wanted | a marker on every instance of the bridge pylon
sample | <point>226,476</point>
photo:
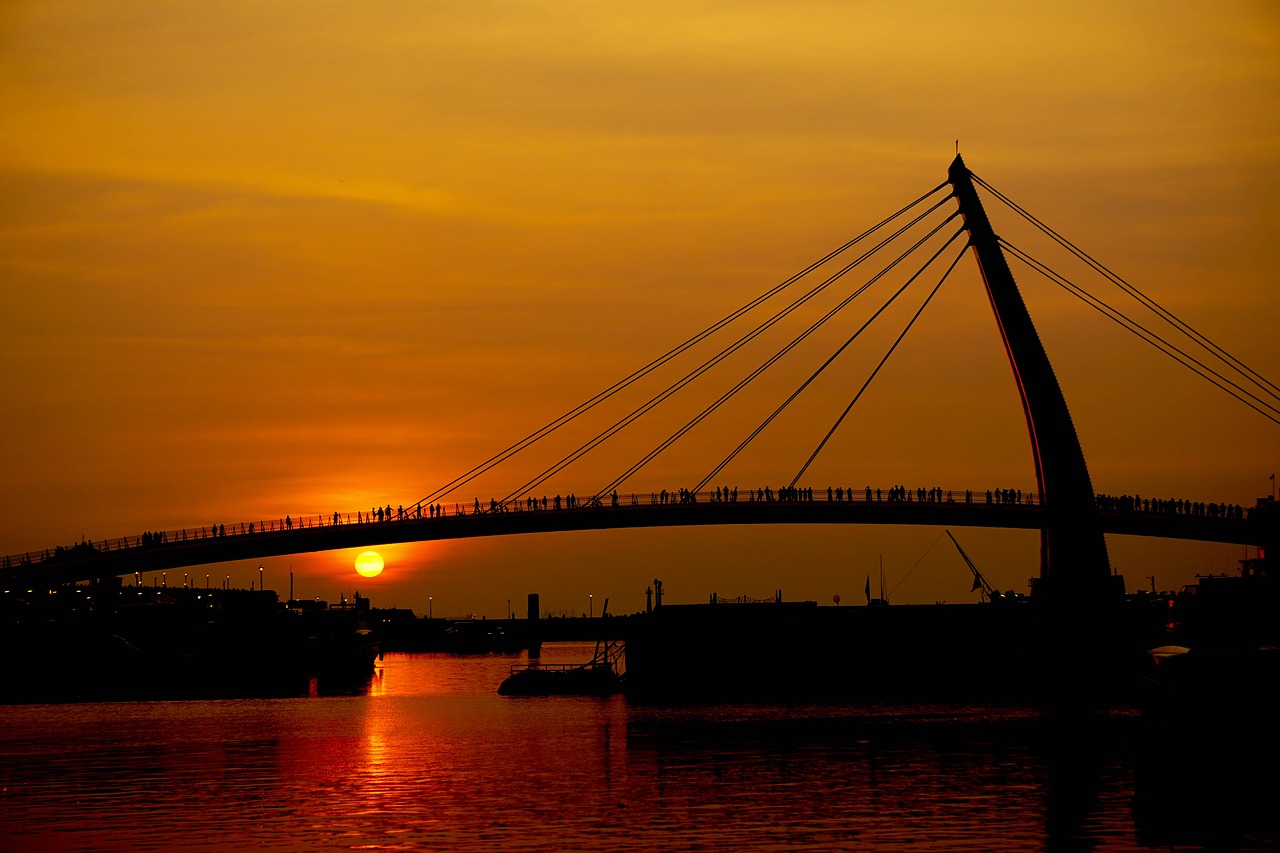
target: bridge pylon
<point>1073,551</point>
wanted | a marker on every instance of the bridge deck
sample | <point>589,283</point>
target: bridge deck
<point>195,548</point>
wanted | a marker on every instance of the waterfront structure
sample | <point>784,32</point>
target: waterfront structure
<point>1071,518</point>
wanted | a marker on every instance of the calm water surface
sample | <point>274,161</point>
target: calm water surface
<point>432,758</point>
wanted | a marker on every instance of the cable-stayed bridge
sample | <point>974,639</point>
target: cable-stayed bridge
<point>912,251</point>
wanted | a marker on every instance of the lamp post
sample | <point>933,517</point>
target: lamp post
<point>429,603</point>
<point>260,586</point>
<point>591,605</point>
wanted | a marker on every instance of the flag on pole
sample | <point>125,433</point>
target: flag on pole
<point>977,584</point>
<point>868,589</point>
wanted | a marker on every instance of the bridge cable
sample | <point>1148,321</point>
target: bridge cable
<point>1235,363</point>
<point>742,446</point>
<point>768,363</point>
<point>620,385</point>
<point>915,565</point>
<point>675,387</point>
<point>1139,330</point>
<point>858,396</point>
<point>1149,337</point>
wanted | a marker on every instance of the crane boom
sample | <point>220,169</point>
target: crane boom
<point>979,582</point>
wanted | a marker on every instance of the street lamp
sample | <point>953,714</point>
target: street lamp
<point>260,586</point>
<point>591,605</point>
<point>429,601</point>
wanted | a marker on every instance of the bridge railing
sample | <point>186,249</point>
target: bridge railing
<point>572,503</point>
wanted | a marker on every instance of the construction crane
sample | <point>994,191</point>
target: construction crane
<point>979,582</point>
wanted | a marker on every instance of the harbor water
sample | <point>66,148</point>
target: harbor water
<point>430,757</point>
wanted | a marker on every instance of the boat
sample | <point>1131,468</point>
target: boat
<point>480,637</point>
<point>340,649</point>
<point>587,679</point>
<point>600,676</point>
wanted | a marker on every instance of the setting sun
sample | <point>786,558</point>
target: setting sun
<point>369,564</point>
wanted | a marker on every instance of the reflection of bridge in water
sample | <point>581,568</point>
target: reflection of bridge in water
<point>1071,518</point>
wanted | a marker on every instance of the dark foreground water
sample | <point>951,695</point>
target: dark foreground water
<point>432,758</point>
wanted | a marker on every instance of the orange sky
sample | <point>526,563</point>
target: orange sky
<point>277,258</point>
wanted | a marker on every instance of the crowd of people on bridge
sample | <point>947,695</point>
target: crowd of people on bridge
<point>1166,506</point>
<point>764,494</point>
<point>1010,497</point>
<point>783,494</point>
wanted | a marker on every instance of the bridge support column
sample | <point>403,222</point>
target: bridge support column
<point>1073,552</point>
